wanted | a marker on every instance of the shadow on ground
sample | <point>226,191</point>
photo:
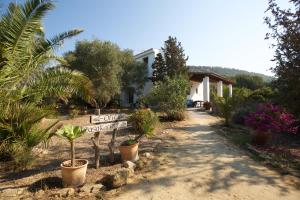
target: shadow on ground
<point>207,161</point>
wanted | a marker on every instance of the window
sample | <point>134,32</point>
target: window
<point>196,90</point>
<point>146,60</point>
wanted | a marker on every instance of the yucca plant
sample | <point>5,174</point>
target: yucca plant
<point>71,133</point>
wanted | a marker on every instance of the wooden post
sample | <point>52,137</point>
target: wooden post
<point>111,145</point>
<point>96,144</point>
<point>97,111</point>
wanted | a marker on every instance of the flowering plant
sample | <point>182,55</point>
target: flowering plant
<point>269,117</point>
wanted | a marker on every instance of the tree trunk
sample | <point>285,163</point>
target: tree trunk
<point>72,154</point>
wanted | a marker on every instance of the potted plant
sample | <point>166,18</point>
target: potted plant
<point>207,105</point>
<point>74,170</point>
<point>143,122</point>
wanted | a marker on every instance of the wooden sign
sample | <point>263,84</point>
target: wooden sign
<point>105,127</point>
<point>107,118</point>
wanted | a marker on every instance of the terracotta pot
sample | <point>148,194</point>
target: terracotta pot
<point>129,152</point>
<point>74,176</point>
<point>260,138</point>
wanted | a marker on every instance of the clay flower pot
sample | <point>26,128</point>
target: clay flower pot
<point>74,176</point>
<point>129,152</point>
<point>260,138</point>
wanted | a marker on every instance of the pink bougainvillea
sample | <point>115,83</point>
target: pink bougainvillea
<point>269,117</point>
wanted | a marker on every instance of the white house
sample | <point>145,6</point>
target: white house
<point>200,81</point>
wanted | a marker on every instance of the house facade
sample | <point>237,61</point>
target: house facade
<point>200,81</point>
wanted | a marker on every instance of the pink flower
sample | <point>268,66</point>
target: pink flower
<point>269,117</point>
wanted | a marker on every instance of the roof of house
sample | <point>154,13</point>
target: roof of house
<point>197,74</point>
<point>146,52</point>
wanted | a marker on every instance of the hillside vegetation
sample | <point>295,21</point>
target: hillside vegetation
<point>230,72</point>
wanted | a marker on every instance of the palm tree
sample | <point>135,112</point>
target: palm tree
<point>25,76</point>
<point>25,53</point>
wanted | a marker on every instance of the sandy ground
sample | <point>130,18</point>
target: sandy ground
<point>200,164</point>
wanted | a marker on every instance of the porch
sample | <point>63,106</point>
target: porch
<point>201,85</point>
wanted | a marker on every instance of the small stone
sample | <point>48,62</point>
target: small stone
<point>118,179</point>
<point>83,194</point>
<point>140,164</point>
<point>12,192</point>
<point>92,188</point>
<point>129,164</point>
<point>98,188</point>
<point>65,192</point>
<point>147,155</point>
<point>87,188</point>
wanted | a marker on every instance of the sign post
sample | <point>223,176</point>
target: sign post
<point>105,122</point>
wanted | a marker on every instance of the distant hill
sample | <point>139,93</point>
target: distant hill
<point>230,72</point>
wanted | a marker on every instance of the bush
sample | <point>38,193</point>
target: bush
<point>261,95</point>
<point>169,97</point>
<point>143,122</point>
<point>269,117</point>
<point>176,115</point>
<point>240,113</point>
<point>21,131</point>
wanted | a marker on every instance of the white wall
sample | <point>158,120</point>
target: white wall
<point>151,58</point>
<point>194,96</point>
<point>151,54</point>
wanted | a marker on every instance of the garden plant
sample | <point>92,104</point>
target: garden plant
<point>143,123</point>
<point>270,119</point>
<point>74,170</point>
<point>26,84</point>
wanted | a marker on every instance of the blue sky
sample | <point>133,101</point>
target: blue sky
<point>228,33</point>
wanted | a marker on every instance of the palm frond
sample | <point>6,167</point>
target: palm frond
<point>61,83</point>
<point>21,23</point>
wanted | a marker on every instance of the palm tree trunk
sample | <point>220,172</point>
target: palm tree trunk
<point>72,154</point>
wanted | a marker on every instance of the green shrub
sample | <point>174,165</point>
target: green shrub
<point>169,96</point>
<point>261,95</point>
<point>225,106</point>
<point>176,115</point>
<point>143,122</point>
<point>246,101</point>
<point>21,131</point>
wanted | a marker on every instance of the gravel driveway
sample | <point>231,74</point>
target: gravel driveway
<point>200,164</point>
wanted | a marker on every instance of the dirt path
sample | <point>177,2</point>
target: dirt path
<point>202,165</point>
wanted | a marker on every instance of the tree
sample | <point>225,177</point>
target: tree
<point>25,81</point>
<point>170,96</point>
<point>174,57</point>
<point>250,82</point>
<point>159,68</point>
<point>285,31</point>
<point>172,63</point>
<point>134,74</point>
<point>108,67</point>
<point>100,61</point>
